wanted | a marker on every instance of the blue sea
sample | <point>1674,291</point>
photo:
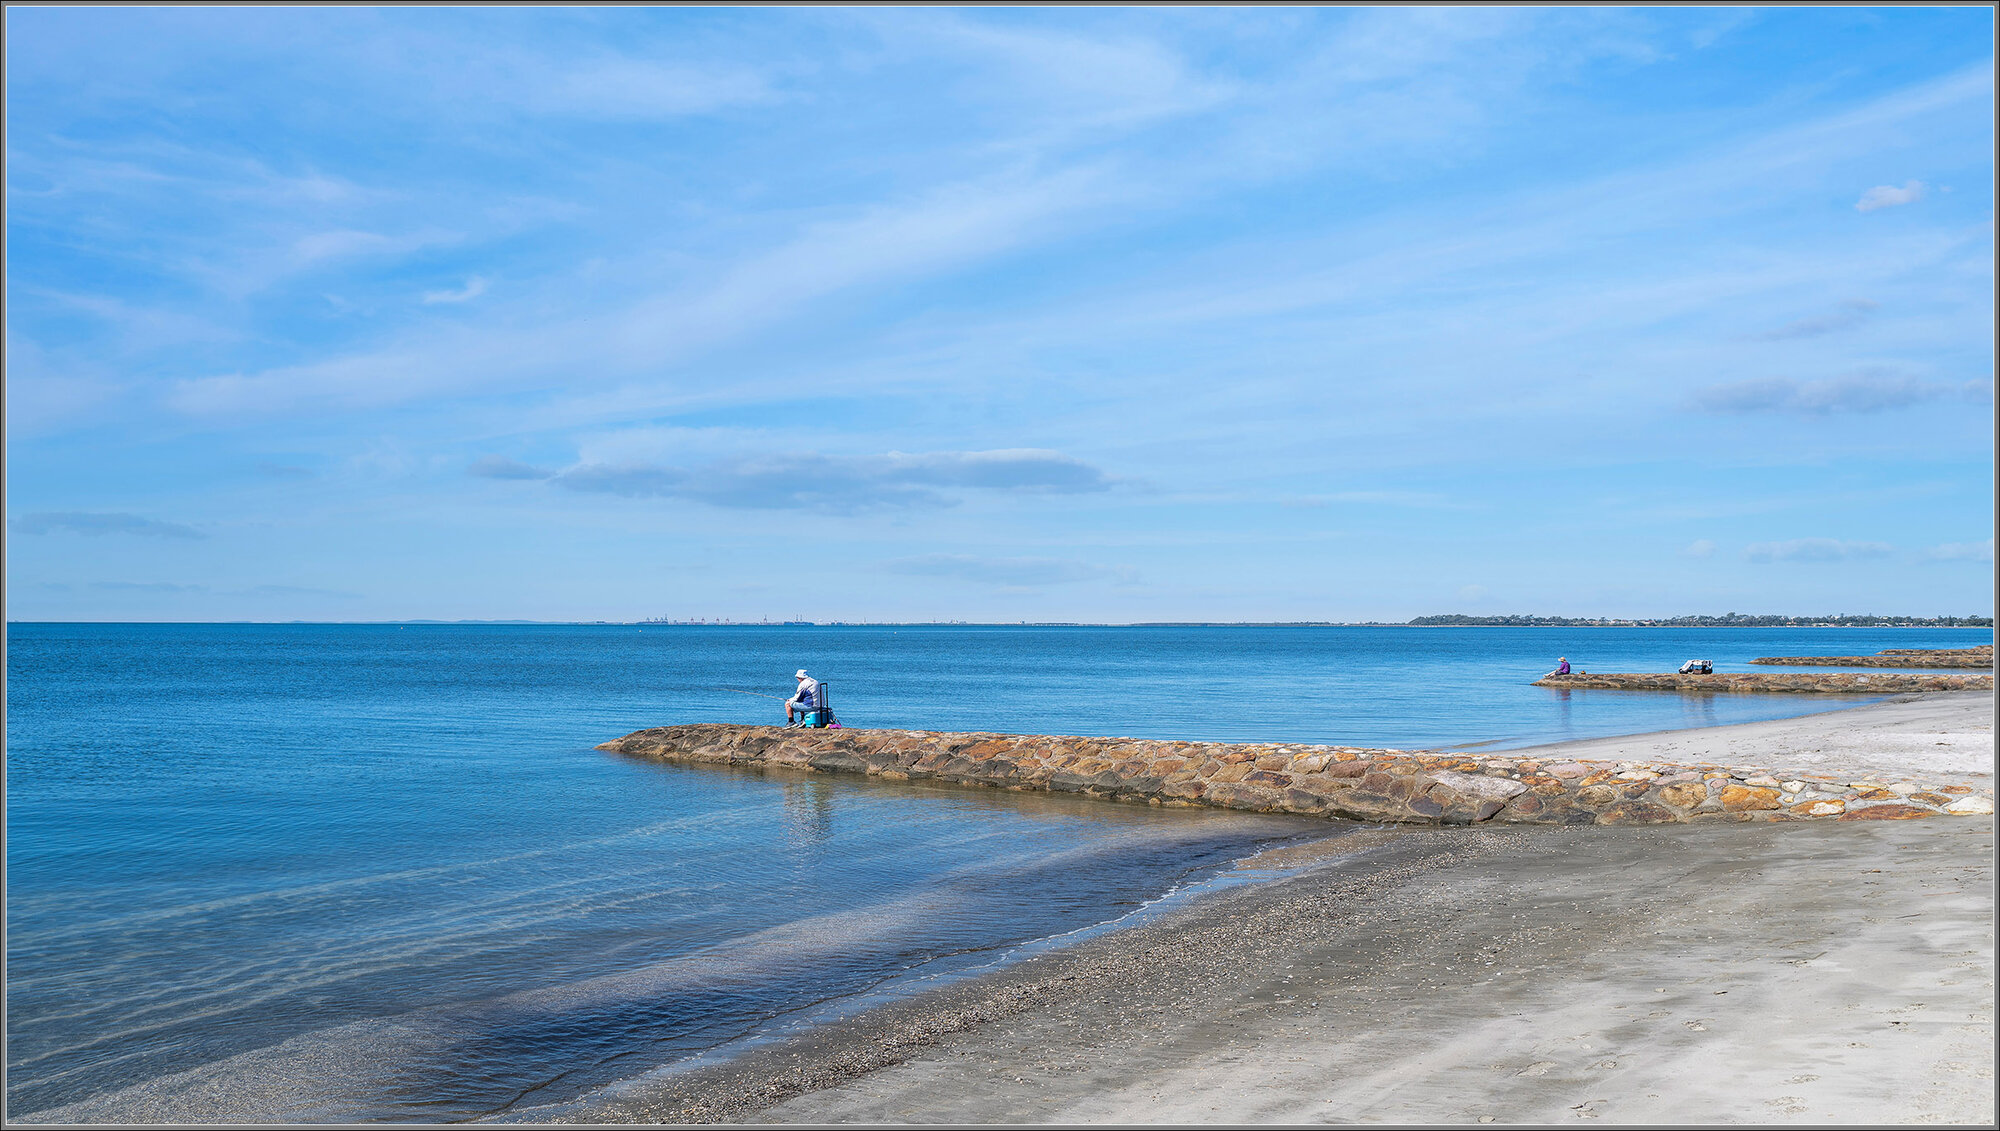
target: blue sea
<point>378,872</point>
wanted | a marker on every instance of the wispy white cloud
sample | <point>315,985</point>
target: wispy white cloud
<point>1427,499</point>
<point>1013,573</point>
<point>80,522</point>
<point>878,246</point>
<point>1847,315</point>
<point>621,86</point>
<point>842,484</point>
<point>297,591</point>
<point>1815,550</point>
<point>1859,393</point>
<point>45,394</point>
<point>500,467</point>
<point>1065,78</point>
<point>147,587</point>
<point>1889,196</point>
<point>1699,548</point>
<point>1961,552</point>
<point>473,288</point>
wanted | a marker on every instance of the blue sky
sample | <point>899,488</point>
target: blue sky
<point>998,314</point>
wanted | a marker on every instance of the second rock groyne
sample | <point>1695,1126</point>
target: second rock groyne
<point>1976,657</point>
<point>1823,683</point>
<point>1357,783</point>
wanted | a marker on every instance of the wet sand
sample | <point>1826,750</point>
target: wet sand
<point>1775,973</point>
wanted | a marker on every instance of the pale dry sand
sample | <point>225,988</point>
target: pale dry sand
<point>1818,973</point>
<point>1946,736</point>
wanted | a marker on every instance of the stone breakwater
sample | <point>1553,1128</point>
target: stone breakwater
<point>1837,683</point>
<point>1980,657</point>
<point>1362,784</point>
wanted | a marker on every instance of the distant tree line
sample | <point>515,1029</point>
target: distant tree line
<point>1726,620</point>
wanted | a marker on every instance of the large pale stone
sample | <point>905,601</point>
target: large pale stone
<point>1970,806</point>
<point>1478,785</point>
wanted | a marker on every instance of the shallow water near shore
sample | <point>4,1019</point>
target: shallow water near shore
<point>378,872</point>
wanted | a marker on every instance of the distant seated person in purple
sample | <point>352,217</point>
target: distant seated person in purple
<point>1562,666</point>
<point>805,701</point>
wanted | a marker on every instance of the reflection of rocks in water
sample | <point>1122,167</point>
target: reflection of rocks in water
<point>808,813</point>
<point>1698,711</point>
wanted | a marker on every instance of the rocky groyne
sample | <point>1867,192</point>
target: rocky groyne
<point>1980,657</point>
<point>1356,783</point>
<point>1825,683</point>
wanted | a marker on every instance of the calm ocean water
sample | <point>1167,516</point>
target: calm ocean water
<point>378,872</point>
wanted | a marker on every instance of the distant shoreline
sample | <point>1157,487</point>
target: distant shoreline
<point>1548,622</point>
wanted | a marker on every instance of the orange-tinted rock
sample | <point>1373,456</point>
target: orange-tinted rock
<point>1887,812</point>
<point>1824,807</point>
<point>1597,795</point>
<point>1685,794</point>
<point>1740,798</point>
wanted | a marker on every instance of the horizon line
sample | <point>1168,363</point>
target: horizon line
<point>1488,622</point>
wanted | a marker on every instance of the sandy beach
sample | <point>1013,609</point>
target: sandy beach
<point>1948,736</point>
<point>1773,973</point>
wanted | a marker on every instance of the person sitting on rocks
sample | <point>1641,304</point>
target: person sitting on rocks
<point>803,702</point>
<point>1562,667</point>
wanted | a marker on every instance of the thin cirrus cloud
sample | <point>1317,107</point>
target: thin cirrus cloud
<point>79,522</point>
<point>146,587</point>
<point>1861,392</point>
<point>1815,550</point>
<point>1848,314</point>
<point>500,467</point>
<point>1009,573</point>
<point>1889,196</point>
<point>1961,552</point>
<point>276,591</point>
<point>832,484</point>
<point>473,288</point>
